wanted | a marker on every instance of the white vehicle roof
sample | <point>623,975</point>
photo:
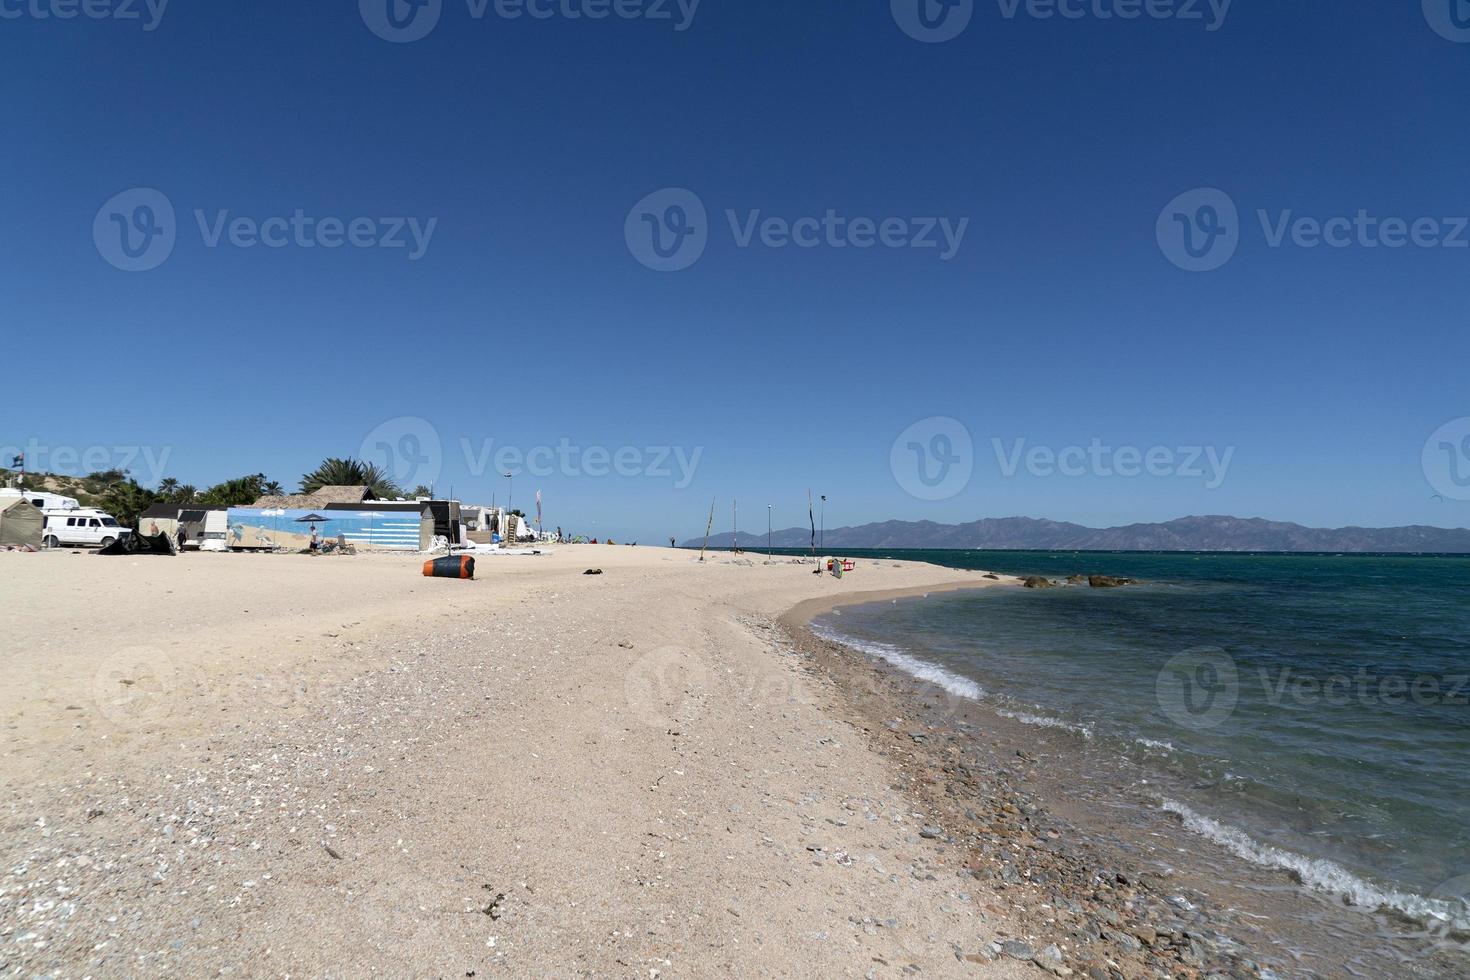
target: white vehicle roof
<point>53,501</point>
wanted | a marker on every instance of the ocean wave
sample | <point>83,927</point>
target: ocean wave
<point>1322,875</point>
<point>909,664</point>
<point>1045,721</point>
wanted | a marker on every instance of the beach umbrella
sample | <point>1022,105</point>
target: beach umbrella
<point>312,519</point>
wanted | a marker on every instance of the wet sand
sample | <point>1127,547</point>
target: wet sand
<point>1069,830</point>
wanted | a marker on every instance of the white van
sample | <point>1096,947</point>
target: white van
<point>83,526</point>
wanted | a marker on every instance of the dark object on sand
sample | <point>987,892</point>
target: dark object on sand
<point>593,571</point>
<point>462,567</point>
<point>140,544</point>
<point>991,575</point>
<point>1108,582</point>
<point>1037,582</point>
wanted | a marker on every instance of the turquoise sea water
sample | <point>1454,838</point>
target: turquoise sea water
<point>1308,711</point>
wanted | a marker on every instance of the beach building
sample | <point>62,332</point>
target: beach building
<point>349,514</point>
<point>169,518</point>
<point>495,525</point>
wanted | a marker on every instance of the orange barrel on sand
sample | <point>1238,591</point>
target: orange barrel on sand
<point>461,567</point>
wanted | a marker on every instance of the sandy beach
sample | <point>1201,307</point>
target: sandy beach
<point>273,765</point>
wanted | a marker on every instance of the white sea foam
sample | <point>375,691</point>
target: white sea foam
<point>1045,721</point>
<point>1149,743</point>
<point>922,669</point>
<point>1320,874</point>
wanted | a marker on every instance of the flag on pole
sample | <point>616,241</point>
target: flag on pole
<point>538,511</point>
<point>811,516</point>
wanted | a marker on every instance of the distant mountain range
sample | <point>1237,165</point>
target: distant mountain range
<point>1184,534</point>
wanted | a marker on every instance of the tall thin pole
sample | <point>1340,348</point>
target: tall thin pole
<point>824,522</point>
<point>811,519</point>
<point>735,526</point>
<point>768,530</point>
<point>708,527</point>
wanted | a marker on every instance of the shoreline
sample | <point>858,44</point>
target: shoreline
<point>876,689</point>
<point>800,615</point>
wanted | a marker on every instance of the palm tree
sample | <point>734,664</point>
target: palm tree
<point>239,492</point>
<point>185,494</point>
<point>272,488</point>
<point>351,473</point>
<point>126,501</point>
<point>167,487</point>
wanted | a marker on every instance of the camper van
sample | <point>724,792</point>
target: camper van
<point>44,502</point>
<point>82,526</point>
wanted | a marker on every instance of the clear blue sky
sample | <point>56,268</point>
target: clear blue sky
<point>1060,319</point>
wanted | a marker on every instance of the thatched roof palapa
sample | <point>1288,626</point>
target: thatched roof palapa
<point>317,500</point>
